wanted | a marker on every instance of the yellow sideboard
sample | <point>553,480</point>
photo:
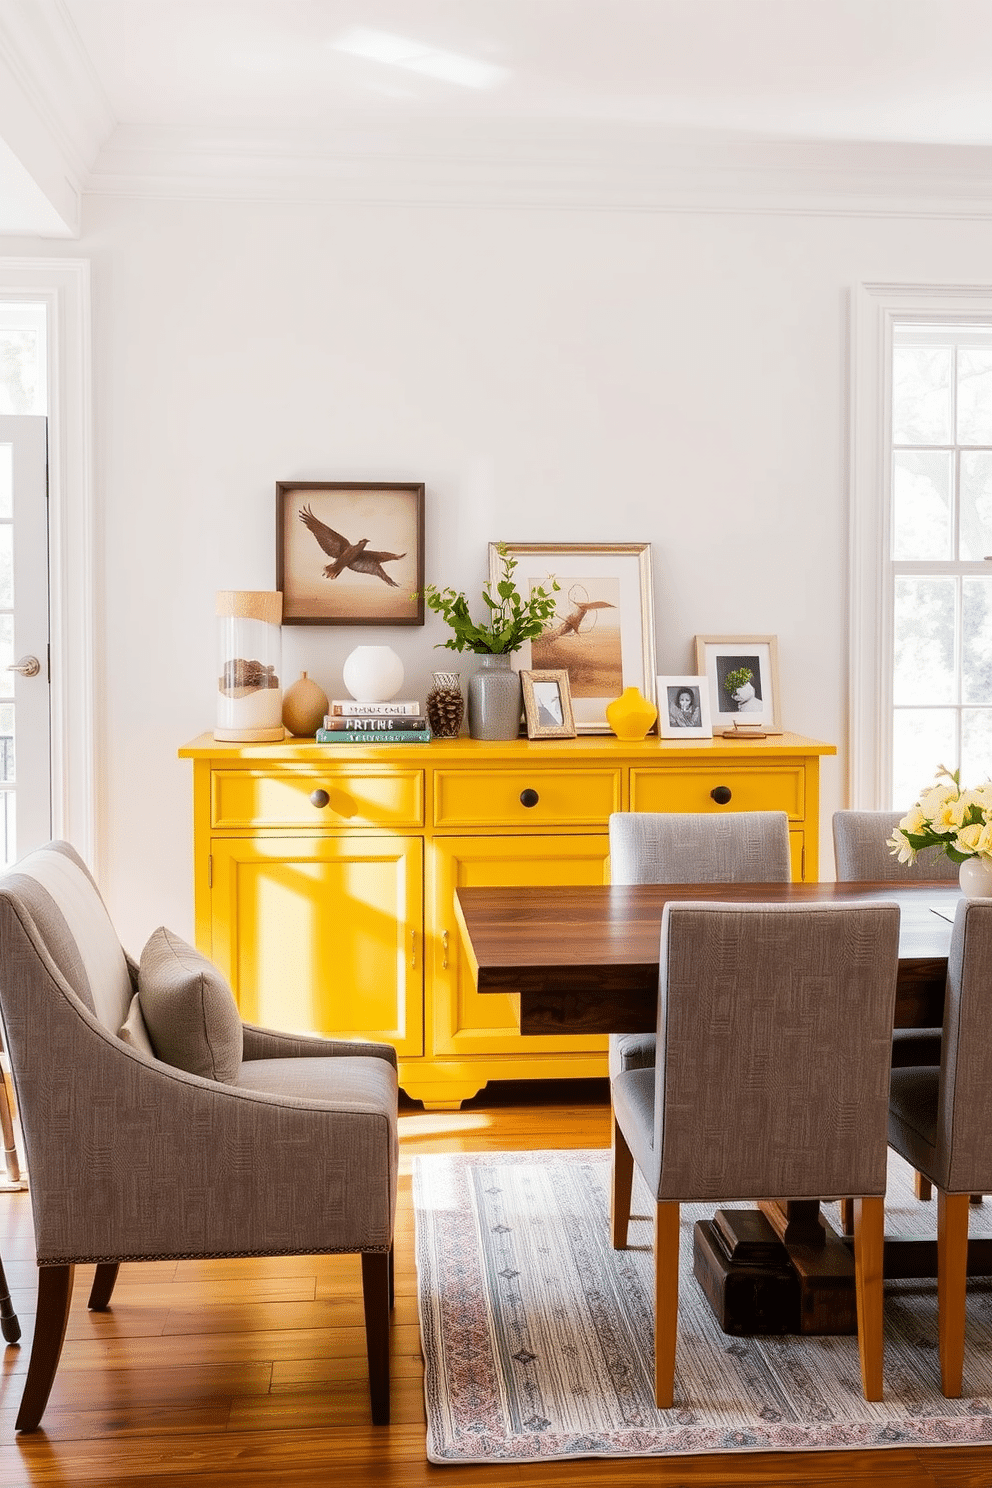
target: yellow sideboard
<point>325,874</point>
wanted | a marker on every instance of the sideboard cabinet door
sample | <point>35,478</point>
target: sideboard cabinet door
<point>323,934</point>
<point>461,1020</point>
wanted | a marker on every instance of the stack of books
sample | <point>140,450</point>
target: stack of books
<point>398,722</point>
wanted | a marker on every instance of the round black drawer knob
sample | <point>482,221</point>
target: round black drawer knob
<point>721,794</point>
<point>319,798</point>
<point>529,797</point>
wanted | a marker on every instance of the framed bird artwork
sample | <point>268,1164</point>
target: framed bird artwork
<point>350,553</point>
<point>602,632</point>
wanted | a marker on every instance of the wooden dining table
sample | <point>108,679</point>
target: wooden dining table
<point>585,959</point>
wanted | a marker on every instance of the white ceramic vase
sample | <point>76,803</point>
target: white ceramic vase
<point>975,878</point>
<point>373,674</point>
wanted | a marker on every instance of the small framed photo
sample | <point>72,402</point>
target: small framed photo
<point>742,675</point>
<point>350,552</point>
<point>684,708</point>
<point>547,705</point>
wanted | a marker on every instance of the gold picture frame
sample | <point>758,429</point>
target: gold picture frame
<point>603,631</point>
<point>547,704</point>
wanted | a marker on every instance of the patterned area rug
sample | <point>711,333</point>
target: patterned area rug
<point>538,1337</point>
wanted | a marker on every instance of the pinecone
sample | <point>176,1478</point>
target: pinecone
<point>445,710</point>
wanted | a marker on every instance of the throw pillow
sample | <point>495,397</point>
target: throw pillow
<point>189,1009</point>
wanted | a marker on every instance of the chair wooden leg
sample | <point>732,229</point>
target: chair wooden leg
<point>847,1216</point>
<point>103,1286</point>
<point>922,1187</point>
<point>7,1132</point>
<point>54,1296</point>
<point>621,1187</point>
<point>392,1276</point>
<point>869,1246</point>
<point>9,1326</point>
<point>952,1275</point>
<point>375,1292</point>
<point>666,1301</point>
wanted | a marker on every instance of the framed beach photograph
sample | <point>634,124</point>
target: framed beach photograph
<point>350,552</point>
<point>684,708</point>
<point>602,633</point>
<point>742,674</point>
<point>547,705</point>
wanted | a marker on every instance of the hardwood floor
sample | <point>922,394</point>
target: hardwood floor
<point>246,1374</point>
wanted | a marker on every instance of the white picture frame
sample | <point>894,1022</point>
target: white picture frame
<point>745,704</point>
<point>678,719</point>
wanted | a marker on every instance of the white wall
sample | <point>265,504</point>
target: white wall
<point>551,376</point>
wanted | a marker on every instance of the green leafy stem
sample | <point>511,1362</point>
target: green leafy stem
<point>511,619</point>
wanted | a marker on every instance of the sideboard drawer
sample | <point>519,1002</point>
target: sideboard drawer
<point>379,796</point>
<point>525,797</point>
<point>690,789</point>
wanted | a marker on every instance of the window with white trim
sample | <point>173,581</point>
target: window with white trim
<point>940,558</point>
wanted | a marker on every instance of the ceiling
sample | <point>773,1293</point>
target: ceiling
<point>519,97</point>
<point>895,70</point>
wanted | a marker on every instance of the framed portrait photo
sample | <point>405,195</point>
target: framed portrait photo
<point>684,708</point>
<point>742,674</point>
<point>602,632</point>
<point>350,552</point>
<point>547,705</point>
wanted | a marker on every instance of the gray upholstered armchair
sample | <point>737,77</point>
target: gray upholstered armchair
<point>265,1144</point>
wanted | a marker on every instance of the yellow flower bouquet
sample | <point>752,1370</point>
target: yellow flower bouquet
<point>958,822</point>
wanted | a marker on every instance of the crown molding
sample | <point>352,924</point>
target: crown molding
<point>41,49</point>
<point>534,166</point>
<point>54,115</point>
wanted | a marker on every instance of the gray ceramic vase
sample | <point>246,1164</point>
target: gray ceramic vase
<point>494,700</point>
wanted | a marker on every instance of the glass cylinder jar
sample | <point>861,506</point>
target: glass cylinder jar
<point>249,689</point>
<point>445,705</point>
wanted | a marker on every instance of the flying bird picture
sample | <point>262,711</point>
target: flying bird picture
<point>350,554</point>
<point>572,624</point>
<point>584,638</point>
<point>357,556</point>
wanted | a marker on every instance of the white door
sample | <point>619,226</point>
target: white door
<point>25,716</point>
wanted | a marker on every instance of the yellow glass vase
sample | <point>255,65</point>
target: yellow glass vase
<point>631,715</point>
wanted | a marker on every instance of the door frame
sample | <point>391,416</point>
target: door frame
<point>63,284</point>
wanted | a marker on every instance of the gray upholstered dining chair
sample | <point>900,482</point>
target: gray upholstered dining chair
<point>157,1125</point>
<point>861,856</point>
<point>771,1082</point>
<point>691,847</point>
<point>939,1121</point>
